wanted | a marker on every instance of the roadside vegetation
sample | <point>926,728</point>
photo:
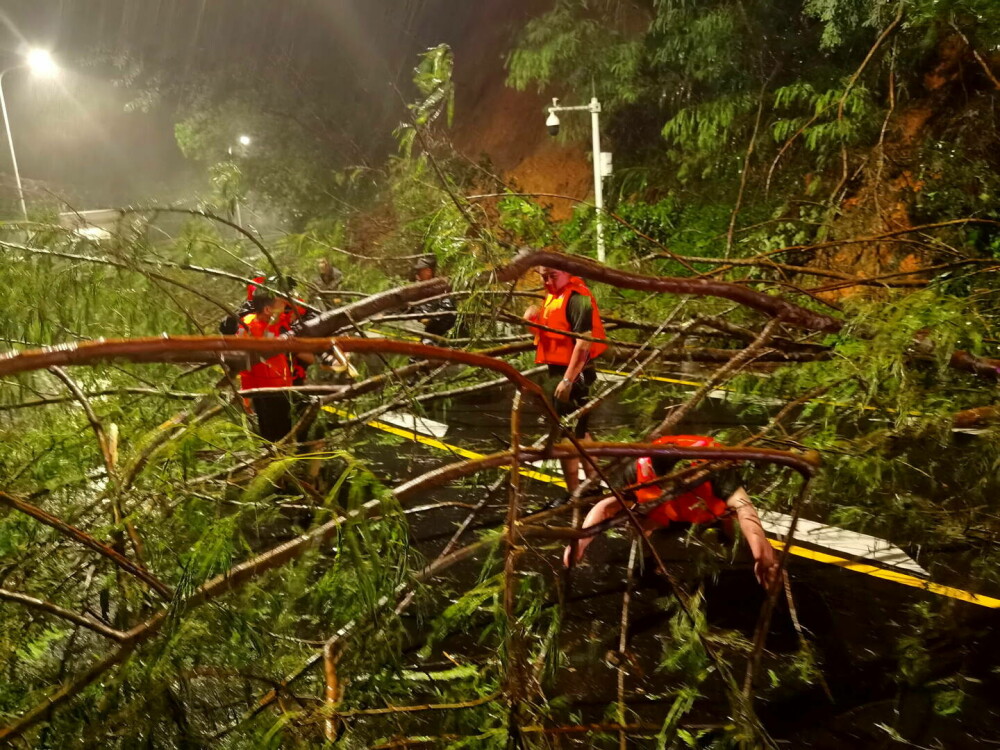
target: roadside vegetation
<point>828,169</point>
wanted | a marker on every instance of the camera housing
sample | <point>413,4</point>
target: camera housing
<point>552,123</point>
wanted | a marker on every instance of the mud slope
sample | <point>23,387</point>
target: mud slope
<point>506,126</point>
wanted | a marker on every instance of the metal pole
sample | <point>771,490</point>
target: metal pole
<point>236,200</point>
<point>10,142</point>
<point>595,121</point>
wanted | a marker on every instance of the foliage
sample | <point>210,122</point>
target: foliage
<point>431,657</point>
<point>432,78</point>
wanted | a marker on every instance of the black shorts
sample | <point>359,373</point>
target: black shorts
<point>274,415</point>
<point>579,395</point>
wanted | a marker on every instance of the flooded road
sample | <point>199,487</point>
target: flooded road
<point>885,657</point>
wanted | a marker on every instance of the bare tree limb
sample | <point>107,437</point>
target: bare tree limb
<point>88,541</point>
<point>791,313</point>
<point>54,609</point>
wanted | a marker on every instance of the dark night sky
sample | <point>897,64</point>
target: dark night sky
<point>75,134</point>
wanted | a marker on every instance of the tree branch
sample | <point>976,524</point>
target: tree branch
<point>791,313</point>
<point>88,541</point>
<point>54,609</point>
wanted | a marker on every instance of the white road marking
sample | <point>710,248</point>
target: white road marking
<point>850,544</point>
<point>410,422</point>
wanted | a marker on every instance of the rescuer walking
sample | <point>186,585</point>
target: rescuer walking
<point>569,307</point>
<point>717,499</point>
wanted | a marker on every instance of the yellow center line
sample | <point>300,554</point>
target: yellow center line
<point>658,378</point>
<point>891,575</point>
<point>675,381</point>
<point>696,384</point>
<point>394,335</point>
<point>416,437</point>
<point>821,557</point>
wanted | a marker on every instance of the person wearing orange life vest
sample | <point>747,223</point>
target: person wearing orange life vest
<point>294,311</point>
<point>230,325</point>
<point>292,314</point>
<point>273,410</point>
<point>717,499</point>
<point>569,306</point>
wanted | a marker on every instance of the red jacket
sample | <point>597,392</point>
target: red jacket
<point>283,324</point>
<point>555,348</point>
<point>698,505</point>
<point>273,372</point>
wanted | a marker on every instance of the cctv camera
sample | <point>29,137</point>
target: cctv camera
<point>552,123</point>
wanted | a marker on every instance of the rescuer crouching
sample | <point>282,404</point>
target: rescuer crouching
<point>717,499</point>
<point>569,307</point>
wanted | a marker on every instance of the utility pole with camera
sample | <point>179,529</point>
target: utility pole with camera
<point>602,159</point>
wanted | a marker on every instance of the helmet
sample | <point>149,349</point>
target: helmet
<point>687,441</point>
<point>663,464</point>
<point>424,261</point>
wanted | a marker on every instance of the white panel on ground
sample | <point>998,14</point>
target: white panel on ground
<point>726,395</point>
<point>553,467</point>
<point>414,424</point>
<point>848,544</point>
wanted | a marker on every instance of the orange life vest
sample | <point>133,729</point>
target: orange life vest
<point>697,505</point>
<point>273,372</point>
<point>293,312</point>
<point>555,348</point>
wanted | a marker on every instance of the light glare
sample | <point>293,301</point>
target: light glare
<point>245,140</point>
<point>41,63</point>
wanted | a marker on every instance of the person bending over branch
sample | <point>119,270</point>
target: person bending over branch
<point>717,499</point>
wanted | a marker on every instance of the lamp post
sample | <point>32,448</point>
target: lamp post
<point>244,141</point>
<point>602,160</point>
<point>40,62</point>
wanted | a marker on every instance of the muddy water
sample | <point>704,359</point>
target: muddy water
<point>855,623</point>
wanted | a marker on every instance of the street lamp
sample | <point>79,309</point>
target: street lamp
<point>602,160</point>
<point>245,140</point>
<point>40,62</point>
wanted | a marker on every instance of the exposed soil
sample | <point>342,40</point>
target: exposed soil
<point>507,126</point>
<point>888,185</point>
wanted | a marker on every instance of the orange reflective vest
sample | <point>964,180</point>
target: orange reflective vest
<point>273,372</point>
<point>698,505</point>
<point>293,312</point>
<point>555,348</point>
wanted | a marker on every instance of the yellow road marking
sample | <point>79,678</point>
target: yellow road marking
<point>675,381</point>
<point>891,575</point>
<point>822,557</point>
<point>658,378</point>
<point>696,384</point>
<point>416,437</point>
<point>394,335</point>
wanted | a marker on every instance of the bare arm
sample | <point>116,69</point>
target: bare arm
<point>607,508</point>
<point>578,359</point>
<point>765,563</point>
